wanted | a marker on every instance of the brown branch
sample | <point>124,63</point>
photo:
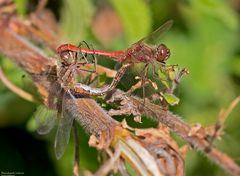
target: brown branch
<point>225,113</point>
<point>197,140</point>
<point>40,7</point>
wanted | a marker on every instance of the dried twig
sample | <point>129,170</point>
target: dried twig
<point>215,131</point>
<point>40,7</point>
<point>197,140</point>
<point>225,113</point>
<point>21,93</point>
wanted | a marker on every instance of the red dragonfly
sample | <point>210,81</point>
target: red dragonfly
<point>145,50</point>
<point>70,59</point>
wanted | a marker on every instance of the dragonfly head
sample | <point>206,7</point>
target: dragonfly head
<point>67,57</point>
<point>162,53</point>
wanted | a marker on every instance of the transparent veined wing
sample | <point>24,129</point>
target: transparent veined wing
<point>45,119</point>
<point>65,119</point>
<point>154,37</point>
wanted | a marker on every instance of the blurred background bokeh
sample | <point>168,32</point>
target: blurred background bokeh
<point>205,38</point>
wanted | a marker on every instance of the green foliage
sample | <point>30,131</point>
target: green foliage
<point>101,79</point>
<point>235,65</point>
<point>76,19</point>
<point>171,99</point>
<point>135,16</point>
<point>206,50</point>
<point>21,6</point>
<point>164,79</point>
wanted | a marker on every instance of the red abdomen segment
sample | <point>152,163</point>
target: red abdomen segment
<point>118,55</point>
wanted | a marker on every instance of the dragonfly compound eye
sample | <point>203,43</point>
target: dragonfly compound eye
<point>163,53</point>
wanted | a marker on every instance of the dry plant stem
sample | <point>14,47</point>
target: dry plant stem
<point>76,150</point>
<point>141,155</point>
<point>109,164</point>
<point>164,149</point>
<point>21,93</point>
<point>40,7</point>
<point>176,124</point>
<point>146,164</point>
<point>149,152</point>
<point>224,114</point>
<point>219,126</point>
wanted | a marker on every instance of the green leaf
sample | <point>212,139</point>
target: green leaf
<point>102,79</point>
<point>135,16</point>
<point>163,78</point>
<point>31,124</point>
<point>172,73</point>
<point>76,17</point>
<point>21,6</point>
<point>171,99</point>
<point>219,10</point>
<point>130,169</point>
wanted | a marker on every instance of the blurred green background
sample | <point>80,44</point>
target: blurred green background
<point>205,38</point>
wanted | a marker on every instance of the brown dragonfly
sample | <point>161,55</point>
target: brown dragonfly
<point>63,102</point>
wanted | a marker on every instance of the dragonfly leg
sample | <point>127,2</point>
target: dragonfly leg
<point>143,86</point>
<point>80,45</point>
<point>154,72</point>
<point>85,55</point>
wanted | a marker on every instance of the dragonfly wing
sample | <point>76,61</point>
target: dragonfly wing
<point>64,127</point>
<point>45,119</point>
<point>154,37</point>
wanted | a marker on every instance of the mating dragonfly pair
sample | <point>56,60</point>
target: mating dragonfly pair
<point>66,90</point>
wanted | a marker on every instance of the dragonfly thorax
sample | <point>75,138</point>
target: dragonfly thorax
<point>162,53</point>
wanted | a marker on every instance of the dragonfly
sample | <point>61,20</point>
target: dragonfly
<point>147,50</point>
<point>65,106</point>
<point>59,104</point>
